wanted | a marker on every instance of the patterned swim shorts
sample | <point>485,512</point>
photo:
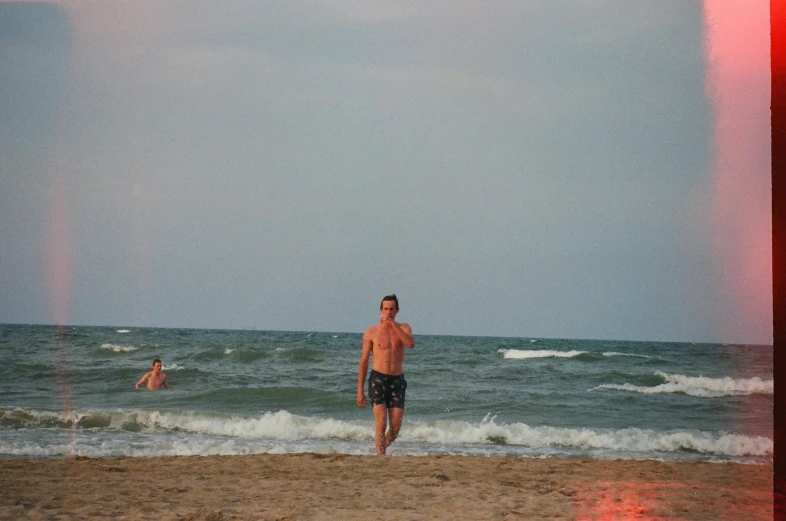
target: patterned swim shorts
<point>386,388</point>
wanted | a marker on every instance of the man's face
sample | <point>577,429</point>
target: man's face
<point>389,309</point>
<point>157,367</point>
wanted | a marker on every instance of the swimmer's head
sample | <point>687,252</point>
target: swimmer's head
<point>156,361</point>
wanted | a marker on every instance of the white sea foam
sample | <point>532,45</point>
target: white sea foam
<point>277,425</point>
<point>123,331</point>
<point>172,367</point>
<point>636,440</point>
<point>522,353</point>
<point>157,447</point>
<point>228,350</point>
<point>119,349</point>
<point>699,386</point>
<point>614,353</point>
<point>204,433</point>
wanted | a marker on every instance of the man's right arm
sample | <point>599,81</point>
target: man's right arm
<point>142,380</point>
<point>363,369</point>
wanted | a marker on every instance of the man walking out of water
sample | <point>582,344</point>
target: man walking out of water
<point>385,342</point>
<point>155,378</point>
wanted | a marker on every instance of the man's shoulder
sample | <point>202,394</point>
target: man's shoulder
<point>371,330</point>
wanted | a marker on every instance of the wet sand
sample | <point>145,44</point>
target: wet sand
<point>320,487</point>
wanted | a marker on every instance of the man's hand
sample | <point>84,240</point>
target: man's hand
<point>386,321</point>
<point>361,399</point>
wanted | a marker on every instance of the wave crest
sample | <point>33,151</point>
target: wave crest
<point>699,386</point>
<point>527,353</point>
<point>615,353</point>
<point>119,349</point>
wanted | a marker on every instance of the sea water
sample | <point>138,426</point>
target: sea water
<point>69,391</point>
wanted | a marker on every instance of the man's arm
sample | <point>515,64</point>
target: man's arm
<point>141,381</point>
<point>363,368</point>
<point>166,386</point>
<point>404,332</point>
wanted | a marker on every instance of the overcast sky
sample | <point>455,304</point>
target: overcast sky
<point>508,168</point>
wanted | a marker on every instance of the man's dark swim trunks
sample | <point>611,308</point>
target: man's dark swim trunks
<point>386,388</point>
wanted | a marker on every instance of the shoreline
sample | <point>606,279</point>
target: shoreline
<point>337,486</point>
<point>583,457</point>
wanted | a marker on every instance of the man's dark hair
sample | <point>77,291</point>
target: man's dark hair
<point>389,297</point>
<point>157,361</point>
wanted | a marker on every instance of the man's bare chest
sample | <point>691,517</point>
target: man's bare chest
<point>385,340</point>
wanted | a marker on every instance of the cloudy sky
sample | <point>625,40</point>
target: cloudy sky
<point>584,169</point>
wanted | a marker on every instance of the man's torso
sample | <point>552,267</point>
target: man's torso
<point>387,350</point>
<point>155,381</point>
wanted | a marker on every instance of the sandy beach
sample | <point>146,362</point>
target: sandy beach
<point>317,486</point>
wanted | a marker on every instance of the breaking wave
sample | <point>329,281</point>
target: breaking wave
<point>184,432</point>
<point>699,386</point>
<point>522,353</point>
<point>119,349</point>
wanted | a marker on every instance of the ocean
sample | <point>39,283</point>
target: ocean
<point>69,391</point>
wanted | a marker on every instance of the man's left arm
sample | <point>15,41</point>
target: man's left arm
<point>404,332</point>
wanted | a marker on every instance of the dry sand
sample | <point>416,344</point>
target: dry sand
<point>316,487</point>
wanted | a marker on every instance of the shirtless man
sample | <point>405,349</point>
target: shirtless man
<point>155,378</point>
<point>385,342</point>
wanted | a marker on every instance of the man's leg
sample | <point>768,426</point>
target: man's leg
<point>380,424</point>
<point>396,415</point>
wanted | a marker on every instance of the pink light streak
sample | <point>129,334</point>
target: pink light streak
<point>738,85</point>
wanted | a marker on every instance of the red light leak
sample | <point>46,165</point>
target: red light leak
<point>738,84</point>
<point>662,501</point>
<point>60,275</point>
